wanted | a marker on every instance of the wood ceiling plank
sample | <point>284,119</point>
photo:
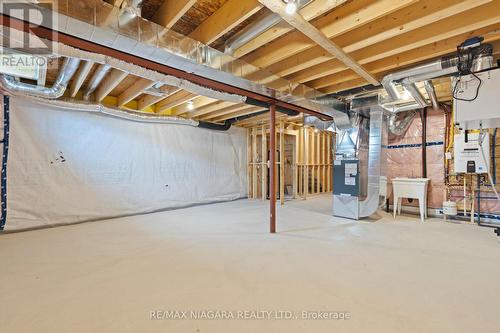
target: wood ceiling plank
<point>81,75</point>
<point>407,19</point>
<point>171,11</point>
<point>210,108</point>
<point>173,100</point>
<point>232,13</point>
<point>309,12</point>
<point>135,90</point>
<point>244,112</point>
<point>330,25</point>
<point>226,110</point>
<point>148,100</point>
<point>196,104</point>
<point>299,23</point>
<point>424,53</point>
<point>109,83</point>
<point>469,21</point>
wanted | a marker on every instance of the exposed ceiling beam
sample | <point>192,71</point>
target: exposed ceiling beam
<point>210,108</point>
<point>309,12</point>
<point>196,103</point>
<point>109,83</point>
<point>226,110</point>
<point>469,21</point>
<point>262,119</point>
<point>244,112</point>
<point>171,11</point>
<point>412,57</point>
<point>196,78</point>
<point>173,100</point>
<point>81,75</point>
<point>135,90</point>
<point>232,13</point>
<point>349,17</point>
<point>407,19</point>
<point>116,3</point>
<point>148,100</point>
<point>299,23</point>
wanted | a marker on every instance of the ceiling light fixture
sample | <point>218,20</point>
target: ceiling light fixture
<point>291,7</point>
<point>190,105</point>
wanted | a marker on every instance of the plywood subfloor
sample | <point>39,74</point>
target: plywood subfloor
<point>392,276</point>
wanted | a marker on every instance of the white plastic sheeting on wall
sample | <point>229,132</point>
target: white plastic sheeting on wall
<point>69,166</point>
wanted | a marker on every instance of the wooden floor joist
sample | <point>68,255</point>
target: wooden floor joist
<point>338,45</point>
<point>299,23</point>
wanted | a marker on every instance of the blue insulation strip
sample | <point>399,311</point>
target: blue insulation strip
<point>5,153</point>
<point>416,145</point>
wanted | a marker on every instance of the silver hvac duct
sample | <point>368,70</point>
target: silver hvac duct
<point>356,191</point>
<point>317,123</point>
<point>69,67</point>
<point>399,126</point>
<point>117,113</point>
<point>338,111</point>
<point>256,28</point>
<point>431,92</point>
<point>131,10</point>
<point>411,87</point>
<point>481,57</point>
<point>376,162</point>
<point>439,67</point>
<point>98,76</point>
<point>251,31</point>
<point>151,42</point>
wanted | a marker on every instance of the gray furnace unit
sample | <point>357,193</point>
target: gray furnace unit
<point>346,188</point>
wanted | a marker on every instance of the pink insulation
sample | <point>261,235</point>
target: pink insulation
<point>404,156</point>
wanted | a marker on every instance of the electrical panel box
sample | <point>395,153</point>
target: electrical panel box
<point>468,155</point>
<point>477,100</point>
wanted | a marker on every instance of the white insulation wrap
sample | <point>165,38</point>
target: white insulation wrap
<point>68,166</point>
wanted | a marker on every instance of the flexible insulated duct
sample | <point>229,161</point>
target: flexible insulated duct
<point>439,67</point>
<point>431,92</point>
<point>69,67</point>
<point>97,78</point>
<point>399,126</point>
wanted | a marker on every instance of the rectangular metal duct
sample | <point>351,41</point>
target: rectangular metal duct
<point>101,23</point>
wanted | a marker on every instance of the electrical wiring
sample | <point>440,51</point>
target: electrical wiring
<point>477,89</point>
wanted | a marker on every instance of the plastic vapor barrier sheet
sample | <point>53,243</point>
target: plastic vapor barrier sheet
<point>67,166</point>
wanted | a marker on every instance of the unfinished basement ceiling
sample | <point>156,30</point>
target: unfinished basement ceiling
<point>382,36</point>
<point>199,12</point>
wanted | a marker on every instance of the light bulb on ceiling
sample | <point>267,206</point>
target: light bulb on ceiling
<point>291,7</point>
<point>190,105</point>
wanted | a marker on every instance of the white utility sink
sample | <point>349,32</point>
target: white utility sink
<point>412,188</point>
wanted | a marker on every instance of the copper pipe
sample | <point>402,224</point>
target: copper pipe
<point>272,169</point>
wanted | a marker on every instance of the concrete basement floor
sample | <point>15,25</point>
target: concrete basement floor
<point>391,276</point>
